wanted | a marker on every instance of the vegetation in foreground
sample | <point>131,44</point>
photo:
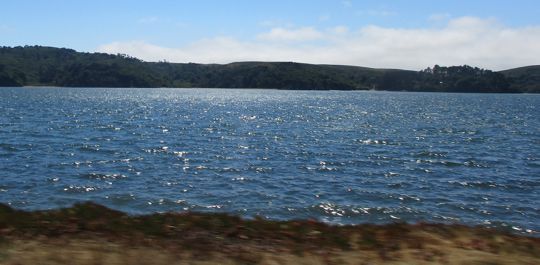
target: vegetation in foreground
<point>48,66</point>
<point>92,234</point>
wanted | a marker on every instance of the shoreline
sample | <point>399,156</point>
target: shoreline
<point>281,89</point>
<point>67,67</point>
<point>209,238</point>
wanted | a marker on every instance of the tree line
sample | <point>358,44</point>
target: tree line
<point>49,66</point>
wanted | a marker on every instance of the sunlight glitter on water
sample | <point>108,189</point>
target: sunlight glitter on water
<point>340,157</point>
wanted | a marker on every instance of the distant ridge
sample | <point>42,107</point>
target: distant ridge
<point>49,66</point>
<point>525,79</point>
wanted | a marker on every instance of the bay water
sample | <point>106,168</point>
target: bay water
<point>342,157</point>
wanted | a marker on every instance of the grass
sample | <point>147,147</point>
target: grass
<point>213,237</point>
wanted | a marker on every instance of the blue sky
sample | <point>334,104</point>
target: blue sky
<point>406,34</point>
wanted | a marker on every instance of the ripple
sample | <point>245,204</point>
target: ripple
<point>431,154</point>
<point>80,189</point>
<point>445,163</point>
<point>121,199</point>
<point>477,184</point>
<point>100,176</point>
<point>8,147</point>
<point>473,163</point>
<point>241,179</point>
<point>339,157</point>
<point>90,148</point>
<point>331,209</point>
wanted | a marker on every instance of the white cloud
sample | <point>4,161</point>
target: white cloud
<point>339,30</point>
<point>466,40</point>
<point>283,34</point>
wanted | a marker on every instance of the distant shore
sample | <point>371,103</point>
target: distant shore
<point>92,234</point>
<point>277,89</point>
<point>50,66</point>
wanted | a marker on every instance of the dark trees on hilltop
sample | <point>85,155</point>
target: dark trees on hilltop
<point>47,66</point>
<point>461,79</point>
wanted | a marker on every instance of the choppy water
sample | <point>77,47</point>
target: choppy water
<point>340,157</point>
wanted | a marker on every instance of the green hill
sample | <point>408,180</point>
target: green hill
<point>48,66</point>
<point>526,79</point>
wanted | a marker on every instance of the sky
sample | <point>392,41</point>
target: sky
<point>406,34</point>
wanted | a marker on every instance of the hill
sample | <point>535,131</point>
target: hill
<point>49,66</point>
<point>526,79</point>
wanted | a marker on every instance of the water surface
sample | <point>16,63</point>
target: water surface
<point>336,156</point>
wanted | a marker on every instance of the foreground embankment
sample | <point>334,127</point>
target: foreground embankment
<point>93,234</point>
